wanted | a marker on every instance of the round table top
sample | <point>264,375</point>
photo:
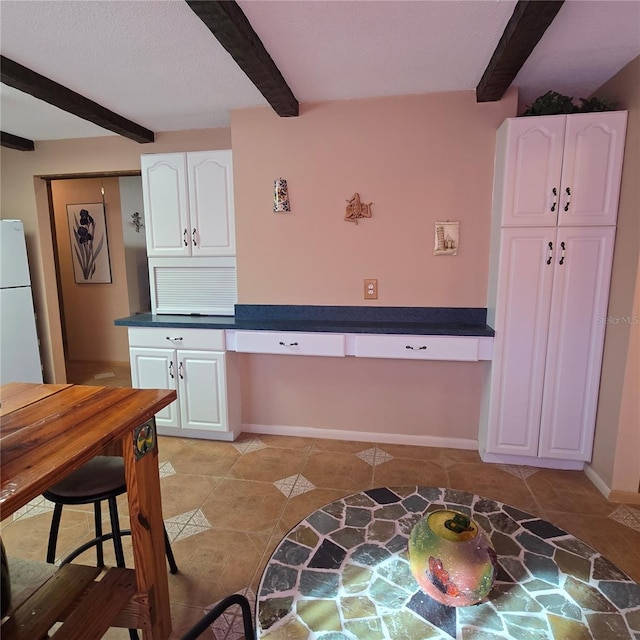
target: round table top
<point>343,574</point>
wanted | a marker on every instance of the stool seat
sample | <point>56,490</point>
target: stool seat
<point>98,479</point>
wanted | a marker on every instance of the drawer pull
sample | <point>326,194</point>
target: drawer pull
<point>180,372</point>
<point>184,237</point>
<point>288,344</point>
<point>173,339</point>
<point>415,348</point>
<point>171,370</point>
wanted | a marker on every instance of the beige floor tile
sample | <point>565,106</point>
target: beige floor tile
<point>569,491</point>
<point>403,471</point>
<point>284,442</point>
<point>336,470</point>
<point>171,447</point>
<point>492,482</point>
<point>185,492</point>
<point>342,446</point>
<point>269,464</point>
<point>205,458</point>
<point>244,505</point>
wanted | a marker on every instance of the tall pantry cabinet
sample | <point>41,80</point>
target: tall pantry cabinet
<point>555,204</point>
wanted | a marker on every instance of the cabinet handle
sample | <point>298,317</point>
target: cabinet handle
<point>555,199</point>
<point>180,372</point>
<point>184,237</point>
<point>561,261</point>
<point>288,344</point>
<point>173,339</point>
<point>415,348</point>
<point>171,370</point>
<point>550,255</point>
<point>193,235</point>
<point>568,200</point>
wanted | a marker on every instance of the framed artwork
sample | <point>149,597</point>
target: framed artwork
<point>89,245</point>
<point>447,238</point>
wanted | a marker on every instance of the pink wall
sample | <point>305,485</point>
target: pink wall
<point>419,159</point>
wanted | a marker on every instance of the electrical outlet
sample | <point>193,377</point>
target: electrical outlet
<point>371,289</point>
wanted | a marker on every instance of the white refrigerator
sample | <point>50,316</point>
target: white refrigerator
<point>19,352</point>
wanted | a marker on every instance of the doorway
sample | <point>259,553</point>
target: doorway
<point>96,351</point>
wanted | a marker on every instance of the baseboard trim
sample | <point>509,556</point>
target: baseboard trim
<point>362,436</point>
<point>612,495</point>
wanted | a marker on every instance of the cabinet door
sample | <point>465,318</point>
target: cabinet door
<point>202,390</point>
<point>166,213</point>
<point>575,343</point>
<point>592,168</point>
<point>531,172</point>
<point>156,369</point>
<point>211,204</point>
<point>522,318</point>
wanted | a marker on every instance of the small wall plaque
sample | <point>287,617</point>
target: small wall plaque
<point>447,238</point>
<point>357,209</point>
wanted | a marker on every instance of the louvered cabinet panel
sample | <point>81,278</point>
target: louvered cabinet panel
<point>204,286</point>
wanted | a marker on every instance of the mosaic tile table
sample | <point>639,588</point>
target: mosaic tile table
<point>343,574</point>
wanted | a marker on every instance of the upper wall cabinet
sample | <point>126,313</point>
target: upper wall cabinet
<point>188,200</point>
<point>560,170</point>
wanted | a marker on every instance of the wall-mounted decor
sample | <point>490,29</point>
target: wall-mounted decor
<point>447,238</point>
<point>281,196</point>
<point>136,220</point>
<point>357,209</point>
<point>89,246</point>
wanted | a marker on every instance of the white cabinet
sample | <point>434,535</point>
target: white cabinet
<point>189,206</point>
<point>549,290</point>
<point>561,170</point>
<point>194,362</point>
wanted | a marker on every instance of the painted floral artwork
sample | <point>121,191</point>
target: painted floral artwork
<point>89,248</point>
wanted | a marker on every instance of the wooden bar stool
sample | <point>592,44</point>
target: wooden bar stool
<point>102,478</point>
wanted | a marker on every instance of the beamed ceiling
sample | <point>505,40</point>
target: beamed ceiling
<point>134,68</point>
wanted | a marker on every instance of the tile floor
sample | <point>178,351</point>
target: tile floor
<point>227,505</point>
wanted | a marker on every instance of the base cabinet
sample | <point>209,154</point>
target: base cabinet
<point>208,404</point>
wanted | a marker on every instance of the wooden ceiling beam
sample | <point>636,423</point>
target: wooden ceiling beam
<point>230,26</point>
<point>529,21</point>
<point>19,77</point>
<point>10,141</point>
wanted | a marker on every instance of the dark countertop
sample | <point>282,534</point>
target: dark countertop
<point>450,321</point>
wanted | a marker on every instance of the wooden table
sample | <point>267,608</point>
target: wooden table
<point>48,431</point>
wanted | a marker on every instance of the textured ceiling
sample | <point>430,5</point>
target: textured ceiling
<point>155,63</point>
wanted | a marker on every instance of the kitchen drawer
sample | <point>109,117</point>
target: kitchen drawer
<point>417,347</point>
<point>291,343</point>
<point>210,339</point>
